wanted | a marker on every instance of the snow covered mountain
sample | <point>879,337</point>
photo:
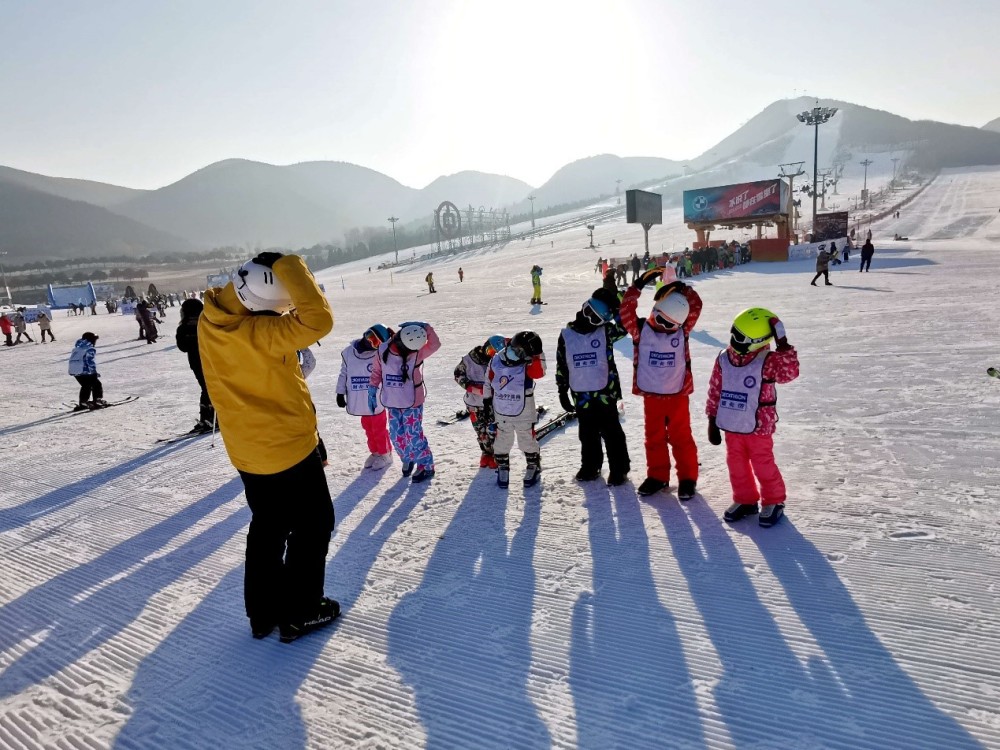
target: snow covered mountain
<point>993,125</point>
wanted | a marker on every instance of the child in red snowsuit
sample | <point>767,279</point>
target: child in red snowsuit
<point>662,376</point>
<point>742,402</point>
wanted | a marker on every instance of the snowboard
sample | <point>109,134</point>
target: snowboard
<point>560,420</point>
<point>126,400</point>
<point>538,303</point>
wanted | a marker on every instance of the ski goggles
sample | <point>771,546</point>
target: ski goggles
<point>596,312</point>
<point>740,339</point>
<point>664,322</point>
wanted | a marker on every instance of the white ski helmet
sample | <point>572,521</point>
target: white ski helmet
<point>671,311</point>
<point>259,289</point>
<point>413,336</point>
<point>307,361</point>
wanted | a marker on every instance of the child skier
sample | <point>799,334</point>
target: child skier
<point>83,367</point>
<point>662,376</point>
<point>398,371</point>
<point>510,390</point>
<point>742,403</point>
<point>470,374</point>
<point>248,337</point>
<point>585,365</point>
<point>536,285</point>
<point>357,362</point>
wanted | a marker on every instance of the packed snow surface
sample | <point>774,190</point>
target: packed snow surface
<point>563,616</point>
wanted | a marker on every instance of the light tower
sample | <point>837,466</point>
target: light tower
<point>815,117</point>
<point>392,220</point>
<point>618,195</point>
<point>894,160</point>
<point>864,190</point>
<point>532,199</point>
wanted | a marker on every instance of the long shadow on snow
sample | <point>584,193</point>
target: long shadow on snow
<point>208,684</point>
<point>461,640</point>
<point>631,684</point>
<point>84,607</point>
<point>884,707</point>
<point>11,518</point>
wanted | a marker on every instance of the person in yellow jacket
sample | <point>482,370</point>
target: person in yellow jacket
<point>248,336</point>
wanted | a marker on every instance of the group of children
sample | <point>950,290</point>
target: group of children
<point>381,375</point>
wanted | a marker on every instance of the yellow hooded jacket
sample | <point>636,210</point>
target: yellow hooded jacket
<point>266,415</point>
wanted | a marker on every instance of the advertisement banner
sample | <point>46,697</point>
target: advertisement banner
<point>732,202</point>
<point>830,226</point>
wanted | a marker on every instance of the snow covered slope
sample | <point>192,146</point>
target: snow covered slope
<point>563,616</point>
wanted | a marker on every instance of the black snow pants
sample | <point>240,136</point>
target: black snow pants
<point>287,542</point>
<point>89,384</point>
<point>597,421</point>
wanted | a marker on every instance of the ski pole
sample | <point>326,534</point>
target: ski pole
<point>213,429</point>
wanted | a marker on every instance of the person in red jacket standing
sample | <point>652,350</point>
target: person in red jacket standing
<point>662,376</point>
<point>742,402</point>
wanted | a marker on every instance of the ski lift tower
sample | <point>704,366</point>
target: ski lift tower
<point>791,171</point>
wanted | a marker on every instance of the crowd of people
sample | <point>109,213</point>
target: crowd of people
<point>686,264</point>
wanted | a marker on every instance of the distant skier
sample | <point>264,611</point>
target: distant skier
<point>248,340</point>
<point>867,253</point>
<point>21,326</point>
<point>636,266</point>
<point>510,390</point>
<point>429,278</point>
<point>398,372</point>
<point>357,360</point>
<point>45,326</point>
<point>536,285</point>
<point>461,275</point>
<point>83,367</point>
<point>822,266</point>
<point>149,321</point>
<point>662,376</point>
<point>585,367</point>
<point>187,342</point>
<point>6,328</point>
<point>742,402</point>
<point>470,374</point>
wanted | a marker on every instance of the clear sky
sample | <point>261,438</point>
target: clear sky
<point>143,92</point>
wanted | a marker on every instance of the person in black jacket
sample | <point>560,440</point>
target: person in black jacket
<point>187,342</point>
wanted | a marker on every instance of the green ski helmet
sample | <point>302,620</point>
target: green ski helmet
<point>751,330</point>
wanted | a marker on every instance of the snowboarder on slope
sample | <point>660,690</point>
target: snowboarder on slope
<point>83,367</point>
<point>585,366</point>
<point>510,390</point>
<point>662,376</point>
<point>470,374</point>
<point>398,371</point>
<point>742,402</point>
<point>357,363</point>
<point>248,336</point>
<point>536,285</point>
<point>187,342</point>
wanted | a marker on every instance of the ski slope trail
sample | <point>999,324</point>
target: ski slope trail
<point>565,615</point>
<point>961,204</point>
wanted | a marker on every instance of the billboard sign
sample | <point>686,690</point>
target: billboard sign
<point>746,200</point>
<point>642,207</point>
<point>831,226</point>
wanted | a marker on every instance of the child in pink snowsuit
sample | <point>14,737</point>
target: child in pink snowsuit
<point>357,362</point>
<point>742,402</point>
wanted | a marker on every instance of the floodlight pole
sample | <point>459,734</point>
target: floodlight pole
<point>816,117</point>
<point>894,160</point>
<point>618,195</point>
<point>864,191</point>
<point>392,220</point>
<point>532,199</point>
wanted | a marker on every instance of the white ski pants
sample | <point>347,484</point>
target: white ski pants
<point>510,427</point>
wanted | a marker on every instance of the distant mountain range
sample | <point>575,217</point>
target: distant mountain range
<point>240,202</point>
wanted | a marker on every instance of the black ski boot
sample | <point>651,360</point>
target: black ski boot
<point>686,489</point>
<point>651,486</point>
<point>736,511</point>
<point>533,472</point>
<point>587,475</point>
<point>503,470</point>
<point>617,478</point>
<point>771,514</point>
<point>327,612</point>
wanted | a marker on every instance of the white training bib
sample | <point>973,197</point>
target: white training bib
<point>397,392</point>
<point>476,375</point>
<point>662,364</point>
<point>358,369</point>
<point>587,360</point>
<point>508,384</point>
<point>740,397</point>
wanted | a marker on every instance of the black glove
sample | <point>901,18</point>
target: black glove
<point>267,259</point>
<point>341,401</point>
<point>648,276</point>
<point>566,402</point>
<point>714,436</point>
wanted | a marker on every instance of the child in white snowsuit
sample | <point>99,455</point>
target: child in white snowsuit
<point>510,390</point>
<point>357,362</point>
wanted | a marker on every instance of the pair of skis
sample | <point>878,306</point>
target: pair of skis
<point>464,414</point>
<point>196,432</point>
<point>108,405</point>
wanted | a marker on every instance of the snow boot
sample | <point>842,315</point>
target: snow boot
<point>617,478</point>
<point>686,489</point>
<point>651,486</point>
<point>587,475</point>
<point>771,514</point>
<point>380,461</point>
<point>736,511</point>
<point>370,460</point>
<point>503,471</point>
<point>407,468</point>
<point>262,627</point>
<point>422,475</point>
<point>533,472</point>
<point>327,612</point>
